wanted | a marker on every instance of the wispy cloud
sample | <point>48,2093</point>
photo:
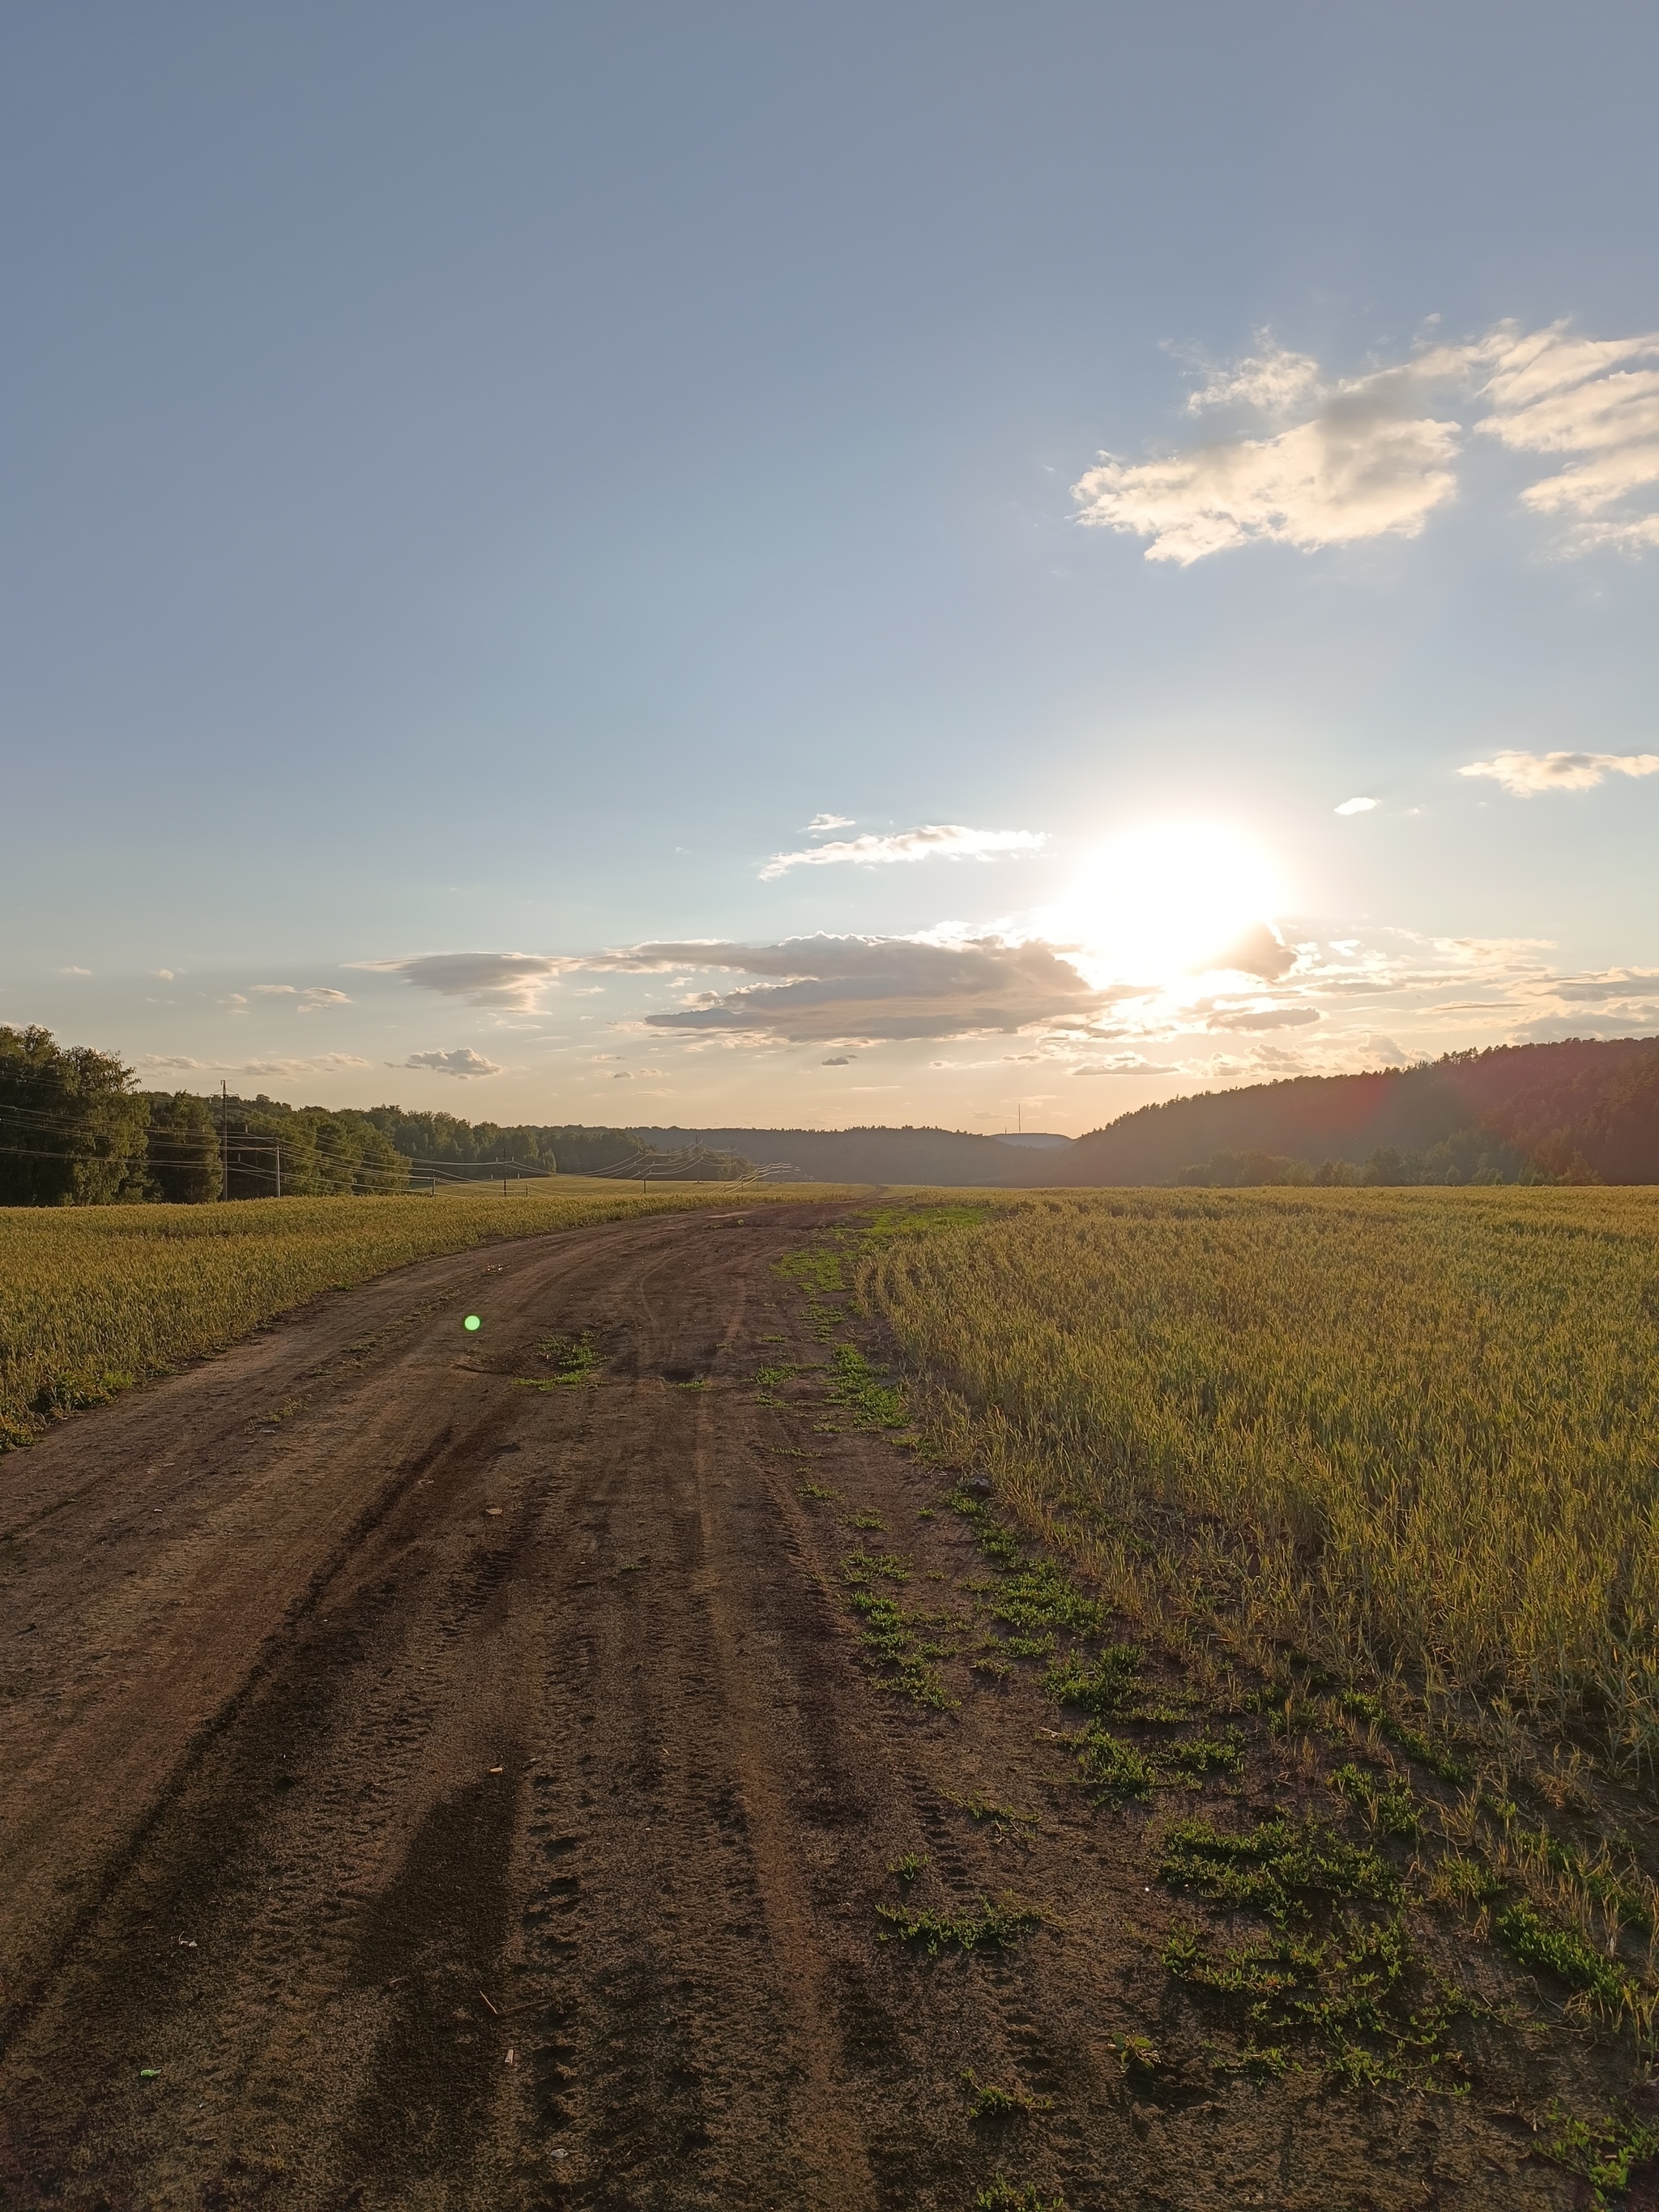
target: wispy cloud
<point>460,1059</point>
<point>1527,774</point>
<point>1554,392</point>
<point>1356,806</point>
<point>508,980</point>
<point>324,1063</point>
<point>821,824</point>
<point>1317,461</point>
<point>934,840</point>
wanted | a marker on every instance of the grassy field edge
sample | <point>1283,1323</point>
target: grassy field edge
<point>95,1299</point>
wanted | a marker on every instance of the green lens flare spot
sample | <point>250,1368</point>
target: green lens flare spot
<point>472,1321</point>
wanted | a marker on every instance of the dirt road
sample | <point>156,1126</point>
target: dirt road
<point>425,1782</point>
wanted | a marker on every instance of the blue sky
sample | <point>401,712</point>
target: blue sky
<point>480,482</point>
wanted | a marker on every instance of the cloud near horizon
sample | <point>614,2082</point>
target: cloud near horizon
<point>1526,775</point>
<point>1319,462</point>
<point>507,980</point>
<point>461,1060</point>
<point>845,990</point>
<point>933,840</point>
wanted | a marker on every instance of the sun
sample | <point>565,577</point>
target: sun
<point>1170,899</point>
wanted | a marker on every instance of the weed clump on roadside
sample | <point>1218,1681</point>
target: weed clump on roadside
<point>1108,1683</point>
<point>1040,1595</point>
<point>987,1927</point>
<point>1605,2152</point>
<point>1005,2196</point>
<point>1389,1805</point>
<point>872,1403</point>
<point>988,2103</point>
<point>1562,1952</point>
<point>890,1634</point>
<point>1277,1867</point>
<point>1336,1970</point>
<point>575,1361</point>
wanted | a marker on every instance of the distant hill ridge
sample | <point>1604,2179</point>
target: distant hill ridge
<point>1580,1110</point>
<point>878,1155</point>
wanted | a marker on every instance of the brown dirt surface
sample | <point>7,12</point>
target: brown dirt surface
<point>441,1770</point>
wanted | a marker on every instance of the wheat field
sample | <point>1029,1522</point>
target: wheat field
<point>1412,1432</point>
<point>94,1298</point>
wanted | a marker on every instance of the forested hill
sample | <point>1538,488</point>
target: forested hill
<point>878,1155</point>
<point>1576,1111</point>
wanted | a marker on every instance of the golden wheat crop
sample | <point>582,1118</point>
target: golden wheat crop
<point>93,1298</point>
<point>1410,1430</point>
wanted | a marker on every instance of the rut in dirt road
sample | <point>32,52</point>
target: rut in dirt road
<point>444,1772</point>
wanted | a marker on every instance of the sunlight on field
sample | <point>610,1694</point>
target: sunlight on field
<point>91,1298</point>
<point>1407,1428</point>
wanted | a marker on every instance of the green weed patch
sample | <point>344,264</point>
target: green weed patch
<point>1389,1805</point>
<point>1562,1952</point>
<point>1280,1866</point>
<point>1108,1683</point>
<point>997,2108</point>
<point>1005,2196</point>
<point>574,1361</point>
<point>1605,2152</point>
<point>986,1927</point>
<point>891,1635</point>
<point>1113,1771</point>
<point>854,1385</point>
<point>1039,1596</point>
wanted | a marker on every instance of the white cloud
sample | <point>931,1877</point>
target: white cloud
<point>845,1060</point>
<point>320,996</point>
<point>1262,1017</point>
<point>1527,774</point>
<point>277,990</point>
<point>75,971</point>
<point>1369,464</point>
<point>1124,1063</point>
<point>1273,381</point>
<point>166,974</point>
<point>513,981</point>
<point>1356,806</point>
<point>821,824</point>
<point>855,989</point>
<point>1554,392</point>
<point>950,841</point>
<point>461,1060</point>
<point>325,1063</point>
<point>1315,461</point>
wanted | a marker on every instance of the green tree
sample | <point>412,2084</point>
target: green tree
<point>72,1128</point>
<point>183,1150</point>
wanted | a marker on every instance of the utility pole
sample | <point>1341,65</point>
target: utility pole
<point>224,1139</point>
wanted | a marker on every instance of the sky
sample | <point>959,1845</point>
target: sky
<point>907,563</point>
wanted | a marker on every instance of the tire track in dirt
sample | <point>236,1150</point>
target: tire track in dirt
<point>467,1793</point>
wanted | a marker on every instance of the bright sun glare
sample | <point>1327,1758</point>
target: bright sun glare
<point>1168,899</point>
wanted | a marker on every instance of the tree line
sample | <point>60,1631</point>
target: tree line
<point>76,1130</point>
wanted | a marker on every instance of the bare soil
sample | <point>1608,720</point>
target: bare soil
<point>428,1783</point>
